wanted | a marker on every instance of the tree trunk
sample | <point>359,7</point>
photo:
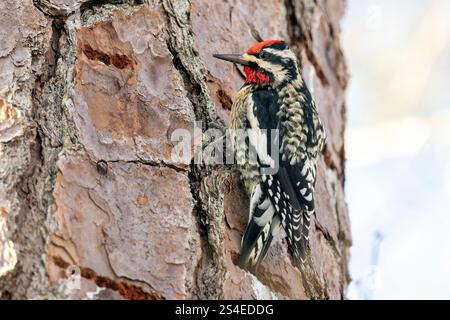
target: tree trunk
<point>92,202</point>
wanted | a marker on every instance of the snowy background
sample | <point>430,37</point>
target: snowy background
<point>398,148</point>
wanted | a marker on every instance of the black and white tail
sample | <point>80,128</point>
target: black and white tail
<point>270,208</point>
<point>263,224</point>
<point>294,218</point>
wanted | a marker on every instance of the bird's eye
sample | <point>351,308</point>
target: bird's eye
<point>263,54</point>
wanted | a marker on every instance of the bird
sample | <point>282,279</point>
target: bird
<point>276,106</point>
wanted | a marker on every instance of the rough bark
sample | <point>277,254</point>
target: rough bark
<point>90,92</point>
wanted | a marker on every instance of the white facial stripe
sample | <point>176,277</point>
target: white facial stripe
<point>279,73</point>
<point>250,58</point>
<point>282,53</point>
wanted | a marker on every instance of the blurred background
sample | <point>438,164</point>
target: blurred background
<point>398,148</point>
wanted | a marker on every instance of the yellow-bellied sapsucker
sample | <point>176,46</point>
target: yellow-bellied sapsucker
<point>275,98</point>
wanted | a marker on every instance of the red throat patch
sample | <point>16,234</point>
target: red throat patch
<point>257,47</point>
<point>254,76</point>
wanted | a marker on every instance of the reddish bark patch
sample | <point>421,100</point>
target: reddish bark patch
<point>224,99</point>
<point>120,61</point>
<point>3,213</point>
<point>142,200</point>
<point>101,43</point>
<point>126,290</point>
<point>6,111</point>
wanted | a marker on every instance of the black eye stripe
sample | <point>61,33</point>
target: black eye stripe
<point>274,58</point>
<point>278,46</point>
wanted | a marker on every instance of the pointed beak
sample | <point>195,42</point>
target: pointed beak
<point>235,58</point>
